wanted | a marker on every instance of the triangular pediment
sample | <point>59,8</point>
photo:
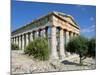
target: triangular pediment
<point>68,18</point>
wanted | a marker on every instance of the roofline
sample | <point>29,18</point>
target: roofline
<point>67,21</point>
<point>32,22</point>
<point>54,13</point>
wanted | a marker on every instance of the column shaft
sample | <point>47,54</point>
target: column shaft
<point>71,35</point>
<point>67,37</point>
<point>16,40</point>
<point>53,44</point>
<point>62,52</point>
<point>19,42</point>
<point>27,40</point>
<point>31,36</point>
<point>36,34</point>
<point>22,42</point>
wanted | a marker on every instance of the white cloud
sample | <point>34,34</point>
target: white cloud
<point>91,19</point>
<point>88,29</point>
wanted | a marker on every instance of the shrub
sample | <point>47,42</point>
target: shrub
<point>14,47</point>
<point>78,45</point>
<point>38,48</point>
<point>92,48</point>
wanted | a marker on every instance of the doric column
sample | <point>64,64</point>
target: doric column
<point>36,34</point>
<point>20,42</point>
<point>31,36</point>
<point>14,40</point>
<point>71,35</point>
<point>67,40</point>
<point>62,52</point>
<point>27,40</point>
<point>17,40</point>
<point>54,54</point>
<point>23,42</point>
<point>67,37</point>
<point>44,35</point>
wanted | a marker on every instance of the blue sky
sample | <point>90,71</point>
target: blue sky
<point>24,12</point>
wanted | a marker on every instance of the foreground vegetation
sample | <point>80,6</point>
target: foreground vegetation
<point>38,48</point>
<point>82,46</point>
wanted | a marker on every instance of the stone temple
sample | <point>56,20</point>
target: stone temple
<point>58,27</point>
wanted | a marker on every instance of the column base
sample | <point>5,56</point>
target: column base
<point>52,57</point>
<point>62,56</point>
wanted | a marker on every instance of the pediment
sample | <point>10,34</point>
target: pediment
<point>70,20</point>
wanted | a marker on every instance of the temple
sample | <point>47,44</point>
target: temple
<point>58,27</point>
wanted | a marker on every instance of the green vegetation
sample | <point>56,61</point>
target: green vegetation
<point>92,48</point>
<point>38,48</point>
<point>81,46</point>
<point>14,47</point>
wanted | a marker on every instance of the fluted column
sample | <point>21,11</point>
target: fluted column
<point>14,40</point>
<point>62,52</point>
<point>67,37</point>
<point>44,35</point>
<point>27,40</point>
<point>71,35</point>
<point>23,42</point>
<point>31,36</point>
<point>36,34</point>
<point>67,40</point>
<point>19,42</point>
<point>54,54</point>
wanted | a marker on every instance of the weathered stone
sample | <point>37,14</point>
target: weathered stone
<point>47,27</point>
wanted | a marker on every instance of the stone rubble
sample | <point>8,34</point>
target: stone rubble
<point>22,63</point>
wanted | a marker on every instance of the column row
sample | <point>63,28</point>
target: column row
<point>23,40</point>
<point>64,36</point>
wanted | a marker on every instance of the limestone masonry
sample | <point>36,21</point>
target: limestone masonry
<point>58,27</point>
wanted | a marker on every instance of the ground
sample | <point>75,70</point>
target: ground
<point>22,63</point>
